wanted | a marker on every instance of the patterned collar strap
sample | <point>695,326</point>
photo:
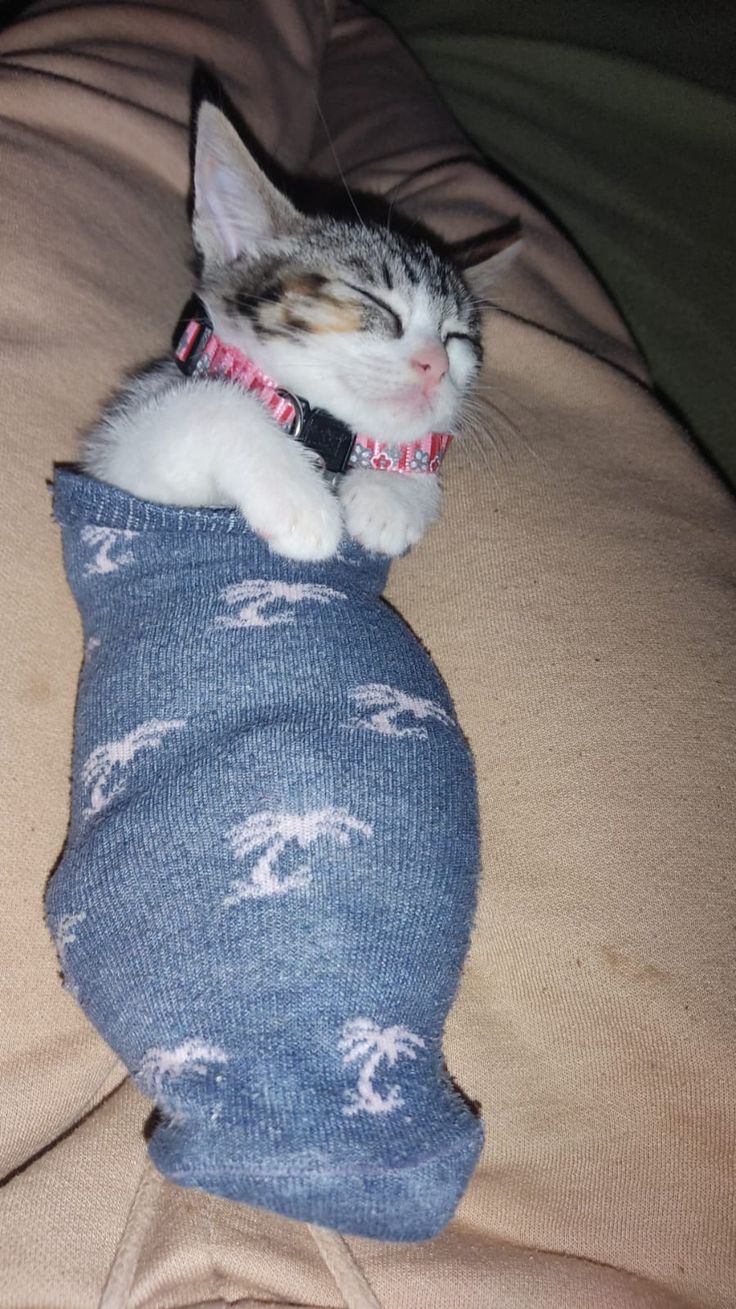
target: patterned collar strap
<point>199,353</point>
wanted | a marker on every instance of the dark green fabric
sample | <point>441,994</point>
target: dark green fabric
<point>621,119</point>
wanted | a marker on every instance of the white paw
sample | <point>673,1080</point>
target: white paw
<point>388,512</point>
<point>297,515</point>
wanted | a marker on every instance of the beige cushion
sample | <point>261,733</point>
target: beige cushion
<point>576,598</point>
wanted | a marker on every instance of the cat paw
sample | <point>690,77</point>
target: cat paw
<point>388,512</point>
<point>299,517</point>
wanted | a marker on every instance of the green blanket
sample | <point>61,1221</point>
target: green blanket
<point>620,118</point>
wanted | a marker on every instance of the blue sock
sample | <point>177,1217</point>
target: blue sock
<point>268,884</point>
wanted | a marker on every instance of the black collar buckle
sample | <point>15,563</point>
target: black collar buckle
<point>328,436</point>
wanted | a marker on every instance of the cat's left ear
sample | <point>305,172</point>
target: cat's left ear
<point>486,259</point>
<point>236,207</point>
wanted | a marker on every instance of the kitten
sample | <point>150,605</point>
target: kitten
<point>379,331</point>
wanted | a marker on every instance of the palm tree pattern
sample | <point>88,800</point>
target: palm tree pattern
<point>386,705</point>
<point>272,824</point>
<point>103,772</point>
<point>110,556</point>
<point>259,593</point>
<point>272,832</point>
<point>159,1066</point>
<point>65,933</point>
<point>362,1039</point>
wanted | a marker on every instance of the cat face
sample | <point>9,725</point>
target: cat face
<point>379,330</point>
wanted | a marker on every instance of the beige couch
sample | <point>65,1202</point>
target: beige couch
<point>576,598</point>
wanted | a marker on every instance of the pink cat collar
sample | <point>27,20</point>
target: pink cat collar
<point>200,353</point>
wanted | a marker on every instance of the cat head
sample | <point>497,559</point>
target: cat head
<point>378,329</point>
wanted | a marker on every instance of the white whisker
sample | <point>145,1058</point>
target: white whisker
<point>338,165</point>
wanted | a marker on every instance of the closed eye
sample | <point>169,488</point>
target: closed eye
<point>359,290</point>
<point>472,341</point>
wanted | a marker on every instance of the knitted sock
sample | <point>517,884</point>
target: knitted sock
<point>267,888</point>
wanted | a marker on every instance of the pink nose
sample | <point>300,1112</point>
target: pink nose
<point>430,363</point>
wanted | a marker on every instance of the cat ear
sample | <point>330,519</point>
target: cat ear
<point>486,259</point>
<point>235,205</point>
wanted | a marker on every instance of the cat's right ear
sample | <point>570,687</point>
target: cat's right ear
<point>236,207</point>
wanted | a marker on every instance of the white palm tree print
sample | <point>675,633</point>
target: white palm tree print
<point>65,933</point>
<point>256,594</point>
<point>385,705</point>
<point>160,1066</point>
<point>271,832</point>
<point>108,540</point>
<point>101,771</point>
<point>363,1039</point>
